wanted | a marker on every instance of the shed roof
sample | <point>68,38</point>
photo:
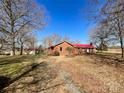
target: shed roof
<point>83,45</point>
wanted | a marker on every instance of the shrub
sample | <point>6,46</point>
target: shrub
<point>56,53</point>
<point>69,49</point>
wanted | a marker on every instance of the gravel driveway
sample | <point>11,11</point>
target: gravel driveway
<point>81,74</point>
<point>46,78</point>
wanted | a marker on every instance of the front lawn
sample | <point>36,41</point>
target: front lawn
<point>13,66</point>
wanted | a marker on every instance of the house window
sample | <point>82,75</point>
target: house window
<point>60,48</point>
<point>52,48</point>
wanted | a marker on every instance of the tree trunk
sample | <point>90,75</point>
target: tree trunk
<point>21,52</point>
<point>13,46</point>
<point>122,49</point>
<point>12,28</point>
<point>121,38</point>
<point>101,45</point>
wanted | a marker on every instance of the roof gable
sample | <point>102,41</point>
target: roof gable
<point>63,42</point>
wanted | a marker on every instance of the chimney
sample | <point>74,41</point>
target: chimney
<point>91,43</point>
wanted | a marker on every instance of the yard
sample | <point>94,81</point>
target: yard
<point>59,74</point>
<point>13,67</point>
<point>93,74</point>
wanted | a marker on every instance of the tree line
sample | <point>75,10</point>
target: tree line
<point>18,20</point>
<point>54,39</point>
<point>109,18</point>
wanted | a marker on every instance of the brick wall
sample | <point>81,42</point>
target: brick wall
<point>62,48</point>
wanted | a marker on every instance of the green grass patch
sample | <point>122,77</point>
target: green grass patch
<point>13,66</point>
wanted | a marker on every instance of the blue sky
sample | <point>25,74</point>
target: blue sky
<point>66,19</point>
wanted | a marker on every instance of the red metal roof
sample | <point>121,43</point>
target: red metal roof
<point>83,45</point>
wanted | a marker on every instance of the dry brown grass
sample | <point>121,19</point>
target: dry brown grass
<point>91,75</point>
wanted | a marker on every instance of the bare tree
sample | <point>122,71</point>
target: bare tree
<point>75,42</point>
<point>66,38</point>
<point>112,11</point>
<point>30,41</point>
<point>54,39</point>
<point>101,36</point>
<point>24,38</point>
<point>51,40</point>
<point>2,40</point>
<point>47,41</point>
<point>15,15</point>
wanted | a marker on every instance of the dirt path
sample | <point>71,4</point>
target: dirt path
<point>90,75</point>
<point>81,74</point>
<point>46,78</point>
<point>70,84</point>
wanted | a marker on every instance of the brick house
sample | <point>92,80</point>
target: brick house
<point>66,48</point>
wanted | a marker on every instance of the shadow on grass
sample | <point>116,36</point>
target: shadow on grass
<point>109,59</point>
<point>5,81</point>
<point>15,59</point>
